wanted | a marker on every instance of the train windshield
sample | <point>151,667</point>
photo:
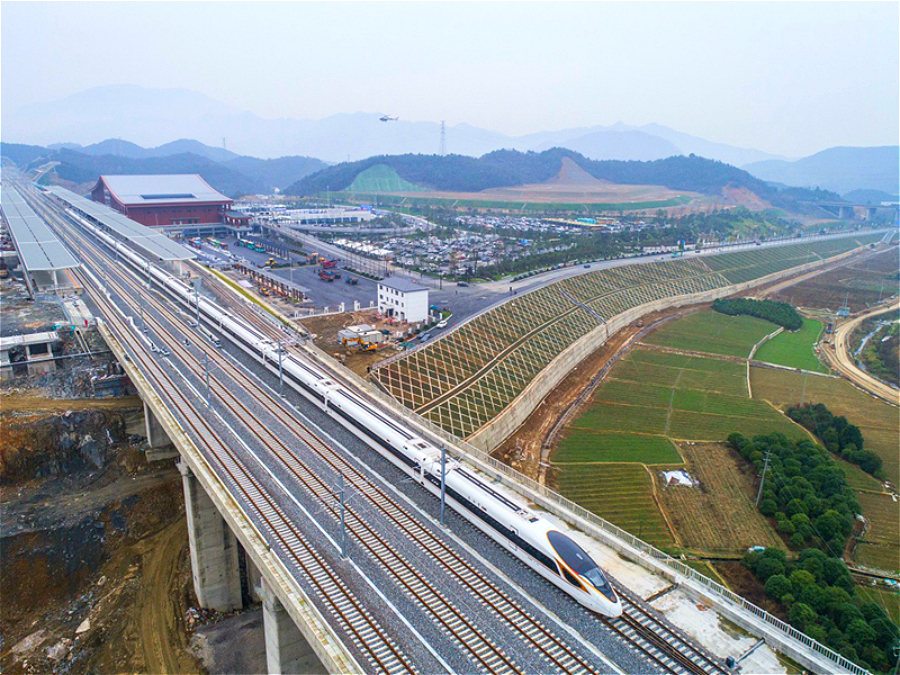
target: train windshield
<point>577,558</point>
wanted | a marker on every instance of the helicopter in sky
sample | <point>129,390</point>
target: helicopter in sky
<point>388,118</point>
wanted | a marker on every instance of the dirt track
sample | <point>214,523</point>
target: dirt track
<point>157,605</point>
<point>844,362</point>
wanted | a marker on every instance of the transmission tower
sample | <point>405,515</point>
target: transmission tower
<point>443,138</point>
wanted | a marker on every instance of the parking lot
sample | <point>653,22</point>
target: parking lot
<point>461,301</point>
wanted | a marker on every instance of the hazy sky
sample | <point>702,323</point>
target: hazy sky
<point>788,78</point>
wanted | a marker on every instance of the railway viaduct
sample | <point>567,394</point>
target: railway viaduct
<point>298,636</point>
<point>298,639</point>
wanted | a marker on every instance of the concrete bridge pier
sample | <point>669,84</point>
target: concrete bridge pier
<point>254,582</point>
<point>160,446</point>
<point>287,651</point>
<point>214,549</point>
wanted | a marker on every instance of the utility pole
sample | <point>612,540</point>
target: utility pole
<point>443,138</point>
<point>280,373</point>
<point>206,368</point>
<point>197,301</point>
<point>443,482</point>
<point>762,480</point>
<point>343,517</point>
<point>141,297</point>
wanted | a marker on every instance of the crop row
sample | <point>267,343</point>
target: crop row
<point>621,494</point>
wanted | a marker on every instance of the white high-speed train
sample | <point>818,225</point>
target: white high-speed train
<point>499,513</point>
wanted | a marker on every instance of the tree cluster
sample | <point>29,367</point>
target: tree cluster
<point>820,599</point>
<point>779,313</point>
<point>837,435</point>
<point>804,490</point>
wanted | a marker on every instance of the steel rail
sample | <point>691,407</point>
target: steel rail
<point>369,535</point>
<point>366,632</point>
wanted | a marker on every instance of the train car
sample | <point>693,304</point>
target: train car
<point>534,540</point>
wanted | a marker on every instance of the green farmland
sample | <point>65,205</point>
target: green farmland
<point>794,349</point>
<point>584,445</point>
<point>621,493</point>
<point>653,397</point>
<point>712,333</point>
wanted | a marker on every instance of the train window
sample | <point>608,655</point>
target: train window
<point>577,558</point>
<point>571,579</point>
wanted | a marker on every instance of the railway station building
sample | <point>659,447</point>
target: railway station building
<point>179,204</point>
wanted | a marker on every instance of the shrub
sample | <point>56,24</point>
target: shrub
<point>779,313</point>
<point>837,435</point>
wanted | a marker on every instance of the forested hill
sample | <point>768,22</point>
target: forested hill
<point>509,168</point>
<point>231,174</point>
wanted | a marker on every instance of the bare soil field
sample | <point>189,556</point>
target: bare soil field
<point>724,495</point>
<point>324,330</point>
<point>860,283</point>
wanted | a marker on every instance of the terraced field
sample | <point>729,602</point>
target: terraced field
<point>881,545</point>
<point>713,333</point>
<point>621,493</point>
<point>877,420</point>
<point>724,495</point>
<point>463,380</point>
<point>651,398</point>
<point>878,423</point>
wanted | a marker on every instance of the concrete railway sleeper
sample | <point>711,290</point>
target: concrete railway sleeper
<point>364,630</point>
<point>558,653</point>
<point>533,631</point>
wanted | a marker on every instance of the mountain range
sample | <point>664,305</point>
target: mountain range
<point>151,117</point>
<point>230,173</point>
<point>841,170</point>
<point>230,140</point>
<point>509,168</point>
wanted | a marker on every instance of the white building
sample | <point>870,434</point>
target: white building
<point>403,299</point>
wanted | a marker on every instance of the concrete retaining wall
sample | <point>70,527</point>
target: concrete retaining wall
<point>492,434</point>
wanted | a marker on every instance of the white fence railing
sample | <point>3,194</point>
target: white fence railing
<point>544,496</point>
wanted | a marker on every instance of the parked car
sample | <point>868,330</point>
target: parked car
<point>462,283</point>
<point>442,324</point>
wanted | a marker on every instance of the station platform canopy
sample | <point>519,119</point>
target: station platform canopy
<point>150,243</point>
<point>39,249</point>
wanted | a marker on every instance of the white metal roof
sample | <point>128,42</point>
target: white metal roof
<point>152,243</point>
<point>146,190</point>
<point>402,284</point>
<point>39,249</point>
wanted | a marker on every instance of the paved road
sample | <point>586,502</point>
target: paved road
<point>466,301</point>
<point>844,361</point>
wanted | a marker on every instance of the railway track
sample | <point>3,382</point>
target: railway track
<point>481,648</point>
<point>371,638</point>
<point>659,643</point>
